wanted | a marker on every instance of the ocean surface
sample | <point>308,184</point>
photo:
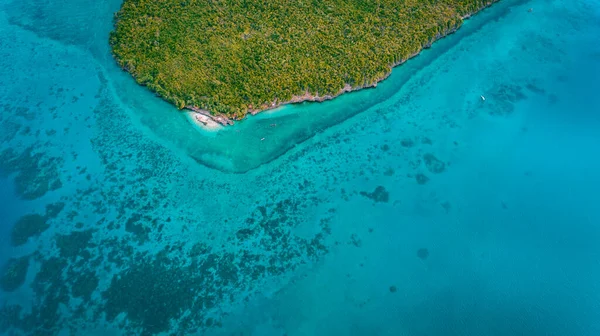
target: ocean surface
<point>417,208</point>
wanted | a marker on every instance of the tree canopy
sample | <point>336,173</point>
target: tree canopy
<point>235,56</point>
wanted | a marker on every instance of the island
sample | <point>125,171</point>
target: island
<point>223,59</point>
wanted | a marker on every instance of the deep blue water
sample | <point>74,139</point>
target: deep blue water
<point>416,208</point>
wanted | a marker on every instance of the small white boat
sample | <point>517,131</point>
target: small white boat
<point>483,98</point>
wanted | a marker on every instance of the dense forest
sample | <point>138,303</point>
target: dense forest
<point>235,56</point>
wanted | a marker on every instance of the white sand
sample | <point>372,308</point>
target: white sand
<point>204,122</point>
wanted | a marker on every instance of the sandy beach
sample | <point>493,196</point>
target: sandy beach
<point>202,121</point>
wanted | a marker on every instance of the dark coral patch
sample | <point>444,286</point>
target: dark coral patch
<point>434,164</point>
<point>27,227</point>
<point>407,142</point>
<point>74,244</point>
<point>379,195</point>
<point>14,273</point>
<point>138,226</point>
<point>36,173</point>
<point>423,253</point>
<point>84,285</point>
<point>421,178</point>
<point>152,292</point>
<point>504,99</point>
<point>52,210</point>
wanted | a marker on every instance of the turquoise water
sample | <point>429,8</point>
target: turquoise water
<point>415,208</point>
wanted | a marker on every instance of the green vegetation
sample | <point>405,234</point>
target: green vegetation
<point>238,56</point>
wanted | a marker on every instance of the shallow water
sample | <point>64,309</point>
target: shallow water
<point>415,208</point>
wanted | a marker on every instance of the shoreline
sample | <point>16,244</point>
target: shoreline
<point>206,123</point>
<point>211,122</point>
<point>205,120</point>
